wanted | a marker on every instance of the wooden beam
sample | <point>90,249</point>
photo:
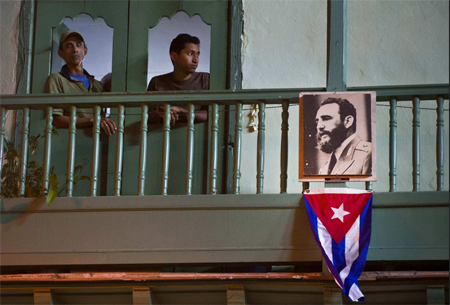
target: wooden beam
<point>188,276</point>
<point>205,98</point>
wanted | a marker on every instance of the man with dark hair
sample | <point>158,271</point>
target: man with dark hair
<point>74,79</point>
<point>184,53</point>
<point>336,135</point>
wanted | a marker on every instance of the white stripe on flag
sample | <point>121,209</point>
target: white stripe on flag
<point>335,191</point>
<point>351,248</point>
<point>355,293</point>
<point>325,239</point>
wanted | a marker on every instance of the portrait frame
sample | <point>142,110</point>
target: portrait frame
<point>356,158</point>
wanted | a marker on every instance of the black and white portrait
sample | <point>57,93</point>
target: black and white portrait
<point>336,134</point>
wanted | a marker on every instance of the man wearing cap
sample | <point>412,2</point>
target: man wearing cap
<point>74,79</point>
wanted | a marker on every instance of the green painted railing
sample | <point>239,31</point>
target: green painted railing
<point>416,144</point>
<point>440,143</point>
<point>119,150</point>
<point>284,147</point>
<point>237,99</point>
<point>237,149</point>
<point>24,151</point>
<point>261,147</point>
<point>393,146</point>
<point>2,138</point>
<point>71,151</point>
<point>166,150</point>
<point>47,147</point>
<point>213,155</point>
<point>190,149</point>
<point>142,149</point>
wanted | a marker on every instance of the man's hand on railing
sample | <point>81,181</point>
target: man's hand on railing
<point>108,126</point>
<point>178,114</point>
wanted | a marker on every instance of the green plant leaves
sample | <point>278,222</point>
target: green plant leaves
<point>52,194</point>
<point>34,179</point>
<point>53,190</point>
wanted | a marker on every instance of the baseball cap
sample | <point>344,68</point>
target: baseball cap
<point>65,35</point>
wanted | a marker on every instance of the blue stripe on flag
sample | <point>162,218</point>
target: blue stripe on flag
<point>339,255</point>
<point>312,218</point>
<point>364,240</point>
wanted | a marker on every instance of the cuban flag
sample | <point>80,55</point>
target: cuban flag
<point>341,221</point>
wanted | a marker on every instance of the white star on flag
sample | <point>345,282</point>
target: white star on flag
<point>339,213</point>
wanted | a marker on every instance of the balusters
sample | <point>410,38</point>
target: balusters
<point>440,144</point>
<point>71,150</point>
<point>95,150</point>
<point>119,150</point>
<point>166,150</point>
<point>47,148</point>
<point>393,145</point>
<point>24,151</point>
<point>284,147</point>
<point>213,152</point>
<point>190,149</point>
<point>2,139</point>
<point>237,150</point>
<point>143,149</point>
<point>261,148</point>
<point>214,149</point>
<point>416,144</point>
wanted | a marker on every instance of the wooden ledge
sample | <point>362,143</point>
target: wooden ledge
<point>167,276</point>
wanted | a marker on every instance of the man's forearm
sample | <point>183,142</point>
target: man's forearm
<point>107,125</point>
<point>62,121</point>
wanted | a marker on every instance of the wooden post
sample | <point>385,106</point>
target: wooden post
<point>71,150</point>
<point>95,156</point>
<point>143,150</point>
<point>143,296</point>
<point>214,149</point>
<point>43,296</point>
<point>332,296</point>
<point>236,295</point>
<point>261,148</point>
<point>47,148</point>
<point>119,150</point>
<point>24,151</point>
<point>190,149</point>
<point>2,138</point>
<point>237,150</point>
<point>416,144</point>
<point>440,144</point>
<point>166,150</point>
<point>393,145</point>
<point>436,294</point>
<point>284,147</point>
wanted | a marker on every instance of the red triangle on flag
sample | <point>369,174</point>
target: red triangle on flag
<point>338,211</point>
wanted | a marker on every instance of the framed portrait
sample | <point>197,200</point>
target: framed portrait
<point>337,136</point>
